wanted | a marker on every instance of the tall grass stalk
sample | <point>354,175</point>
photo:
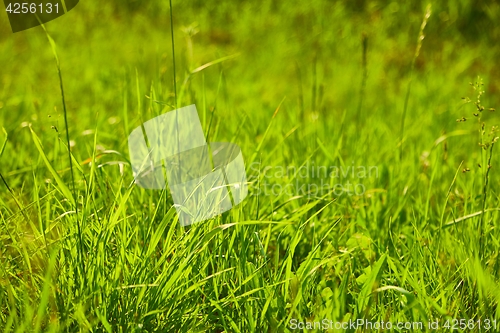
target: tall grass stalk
<point>68,142</point>
<point>175,87</point>
<point>173,52</point>
<point>485,194</point>
<point>486,145</point>
<point>364,45</point>
<point>421,37</point>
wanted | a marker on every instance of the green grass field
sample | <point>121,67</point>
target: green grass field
<point>372,168</point>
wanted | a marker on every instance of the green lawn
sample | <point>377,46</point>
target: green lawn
<point>372,171</point>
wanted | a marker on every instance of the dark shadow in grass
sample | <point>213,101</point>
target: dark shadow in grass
<point>24,14</point>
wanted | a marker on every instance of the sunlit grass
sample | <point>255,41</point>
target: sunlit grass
<point>282,81</point>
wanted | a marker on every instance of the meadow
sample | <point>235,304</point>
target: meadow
<point>368,130</point>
